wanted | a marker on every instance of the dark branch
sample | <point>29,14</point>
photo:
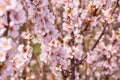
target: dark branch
<point>117,4</point>
<point>80,62</point>
<point>63,74</point>
<point>7,26</point>
<point>73,68</point>
<point>102,33</point>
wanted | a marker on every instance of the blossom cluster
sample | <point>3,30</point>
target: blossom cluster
<point>14,54</point>
<point>78,39</point>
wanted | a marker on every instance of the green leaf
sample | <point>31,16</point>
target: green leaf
<point>36,48</point>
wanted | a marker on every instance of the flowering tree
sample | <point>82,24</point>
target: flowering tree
<point>65,39</point>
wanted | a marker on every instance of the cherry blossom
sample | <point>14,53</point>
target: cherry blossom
<point>2,56</point>
<point>5,44</point>
<point>59,39</point>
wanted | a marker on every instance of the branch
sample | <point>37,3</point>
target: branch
<point>7,26</point>
<point>63,74</point>
<point>84,28</point>
<point>73,68</point>
<point>117,4</point>
<point>80,62</point>
<point>102,33</point>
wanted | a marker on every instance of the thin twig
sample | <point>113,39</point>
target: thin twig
<point>63,74</point>
<point>79,62</point>
<point>117,4</point>
<point>84,28</point>
<point>102,33</point>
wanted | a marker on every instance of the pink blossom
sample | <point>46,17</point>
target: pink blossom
<point>2,56</point>
<point>18,16</point>
<point>5,44</point>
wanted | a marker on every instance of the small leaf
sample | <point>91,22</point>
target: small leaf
<point>36,48</point>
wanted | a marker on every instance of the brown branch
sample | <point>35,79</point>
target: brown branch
<point>24,76</point>
<point>73,68</point>
<point>7,26</point>
<point>84,28</point>
<point>102,33</point>
<point>114,41</point>
<point>63,74</point>
<point>80,62</point>
<point>117,4</point>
